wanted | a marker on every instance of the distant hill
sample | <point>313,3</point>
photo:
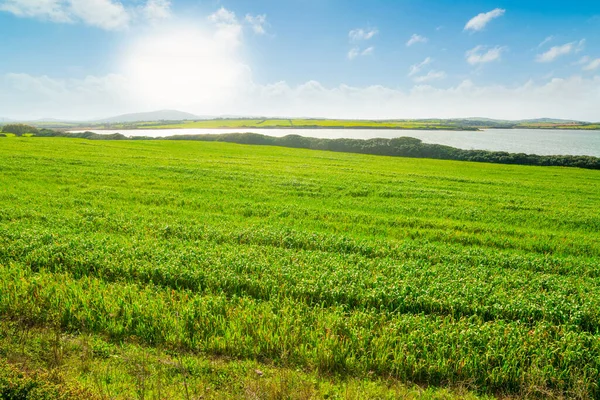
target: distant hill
<point>531,121</point>
<point>551,121</point>
<point>162,115</point>
<point>481,119</point>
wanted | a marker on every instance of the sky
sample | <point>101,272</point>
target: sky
<point>368,59</point>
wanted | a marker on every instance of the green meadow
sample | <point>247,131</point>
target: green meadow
<point>182,269</point>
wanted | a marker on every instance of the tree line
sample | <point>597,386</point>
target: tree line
<point>19,129</point>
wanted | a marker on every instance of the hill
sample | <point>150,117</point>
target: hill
<point>162,115</point>
<point>553,121</point>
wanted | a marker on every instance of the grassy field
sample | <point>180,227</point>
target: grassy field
<point>538,125</point>
<point>155,269</point>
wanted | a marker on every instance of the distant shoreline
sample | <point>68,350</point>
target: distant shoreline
<point>432,124</point>
<point>308,127</point>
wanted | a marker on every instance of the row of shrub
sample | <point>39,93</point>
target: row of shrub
<point>19,129</point>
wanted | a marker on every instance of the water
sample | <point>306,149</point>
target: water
<point>530,141</point>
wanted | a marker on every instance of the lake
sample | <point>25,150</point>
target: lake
<point>530,141</point>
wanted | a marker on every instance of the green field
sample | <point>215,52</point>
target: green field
<point>538,125</point>
<point>295,123</point>
<point>427,124</point>
<point>163,269</point>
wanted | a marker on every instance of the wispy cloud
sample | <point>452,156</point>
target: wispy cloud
<point>229,28</point>
<point>430,76</point>
<point>223,17</point>
<point>257,23</point>
<point>415,38</point>
<point>545,41</point>
<point>362,34</point>
<point>358,35</point>
<point>353,53</point>
<point>483,54</point>
<point>104,14</point>
<point>478,22</point>
<point>416,68</point>
<point>356,51</point>
<point>157,10</point>
<point>592,65</point>
<point>368,51</point>
<point>558,51</point>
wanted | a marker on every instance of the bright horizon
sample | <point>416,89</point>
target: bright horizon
<point>93,59</point>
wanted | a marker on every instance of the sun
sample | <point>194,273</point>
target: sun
<point>185,67</point>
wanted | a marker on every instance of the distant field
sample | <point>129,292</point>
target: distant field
<point>558,126</point>
<point>237,123</point>
<point>348,124</point>
<point>297,123</point>
<point>134,268</point>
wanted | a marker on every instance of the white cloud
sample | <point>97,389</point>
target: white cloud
<point>90,96</point>
<point>545,41</point>
<point>479,22</point>
<point>223,17</point>
<point>592,65</point>
<point>353,53</point>
<point>53,10</point>
<point>416,68</point>
<point>257,23</point>
<point>414,39</point>
<point>368,51</point>
<point>356,51</point>
<point>483,54</point>
<point>228,27</point>
<point>25,96</point>
<point>430,76</point>
<point>362,34</point>
<point>356,35</point>
<point>105,14</point>
<point>157,10</point>
<point>558,51</point>
<point>574,98</point>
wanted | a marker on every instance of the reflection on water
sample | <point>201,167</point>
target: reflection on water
<point>530,141</point>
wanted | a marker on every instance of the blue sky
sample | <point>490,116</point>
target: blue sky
<point>333,58</point>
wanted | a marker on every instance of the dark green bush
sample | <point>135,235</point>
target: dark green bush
<point>19,129</point>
